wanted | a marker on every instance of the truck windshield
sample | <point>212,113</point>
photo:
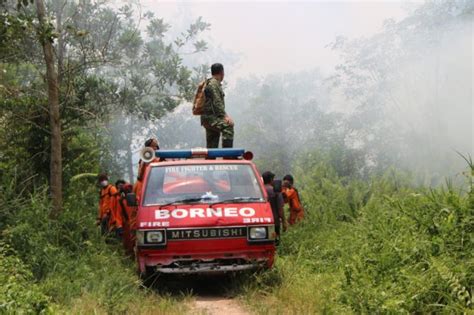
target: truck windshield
<point>202,183</point>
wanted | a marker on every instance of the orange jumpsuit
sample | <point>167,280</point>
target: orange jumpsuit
<point>108,203</point>
<point>292,198</point>
<point>129,218</point>
<point>117,219</point>
<point>137,188</point>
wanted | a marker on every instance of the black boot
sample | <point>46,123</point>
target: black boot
<point>227,143</point>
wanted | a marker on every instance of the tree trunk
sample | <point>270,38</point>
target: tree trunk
<point>60,46</point>
<point>54,115</point>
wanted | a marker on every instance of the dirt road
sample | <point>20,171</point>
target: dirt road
<point>216,306</point>
<point>209,295</point>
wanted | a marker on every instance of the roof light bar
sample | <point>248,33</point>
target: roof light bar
<point>214,153</point>
<point>200,152</point>
<point>174,154</point>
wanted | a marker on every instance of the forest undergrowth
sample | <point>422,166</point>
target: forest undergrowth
<point>378,245</point>
<point>373,246</point>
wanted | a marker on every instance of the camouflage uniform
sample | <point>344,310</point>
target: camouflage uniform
<point>213,117</point>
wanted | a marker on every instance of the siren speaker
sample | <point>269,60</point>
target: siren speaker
<point>147,155</point>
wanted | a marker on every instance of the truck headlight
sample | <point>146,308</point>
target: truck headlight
<point>154,237</point>
<point>258,233</point>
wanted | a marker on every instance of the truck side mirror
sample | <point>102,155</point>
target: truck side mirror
<point>131,199</point>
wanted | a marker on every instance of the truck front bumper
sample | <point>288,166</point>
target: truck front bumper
<point>197,259</point>
<point>202,267</point>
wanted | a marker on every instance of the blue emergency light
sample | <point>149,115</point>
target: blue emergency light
<point>148,154</point>
<point>214,153</point>
<point>190,153</point>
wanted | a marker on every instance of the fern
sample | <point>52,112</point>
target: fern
<point>458,291</point>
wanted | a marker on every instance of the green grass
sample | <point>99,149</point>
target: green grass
<point>64,266</point>
<point>378,246</point>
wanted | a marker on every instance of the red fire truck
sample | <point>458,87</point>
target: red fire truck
<point>201,211</point>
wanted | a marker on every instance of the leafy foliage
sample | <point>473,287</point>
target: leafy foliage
<point>17,293</point>
<point>378,246</point>
<point>56,266</point>
<point>112,75</point>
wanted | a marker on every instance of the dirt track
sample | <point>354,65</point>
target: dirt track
<point>209,294</point>
<point>216,306</point>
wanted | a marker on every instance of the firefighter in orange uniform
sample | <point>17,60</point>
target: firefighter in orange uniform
<point>128,214</point>
<point>117,217</point>
<point>107,203</point>
<point>292,198</point>
<point>137,188</point>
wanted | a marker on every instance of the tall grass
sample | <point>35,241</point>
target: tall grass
<point>64,266</point>
<point>373,246</point>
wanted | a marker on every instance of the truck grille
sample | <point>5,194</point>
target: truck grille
<point>206,233</point>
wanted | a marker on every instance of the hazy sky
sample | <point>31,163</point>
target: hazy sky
<point>275,36</point>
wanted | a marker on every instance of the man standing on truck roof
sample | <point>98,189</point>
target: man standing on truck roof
<point>276,201</point>
<point>214,117</point>
<point>107,203</point>
<point>292,198</point>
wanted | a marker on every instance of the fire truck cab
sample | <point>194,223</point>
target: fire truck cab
<point>202,211</point>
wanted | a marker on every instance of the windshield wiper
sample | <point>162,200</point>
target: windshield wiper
<point>237,199</point>
<point>195,199</point>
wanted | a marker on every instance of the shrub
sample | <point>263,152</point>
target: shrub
<point>17,293</point>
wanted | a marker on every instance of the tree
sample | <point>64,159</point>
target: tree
<point>109,78</point>
<point>152,82</point>
<point>46,39</point>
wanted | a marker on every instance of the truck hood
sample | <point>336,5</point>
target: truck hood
<point>200,215</point>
